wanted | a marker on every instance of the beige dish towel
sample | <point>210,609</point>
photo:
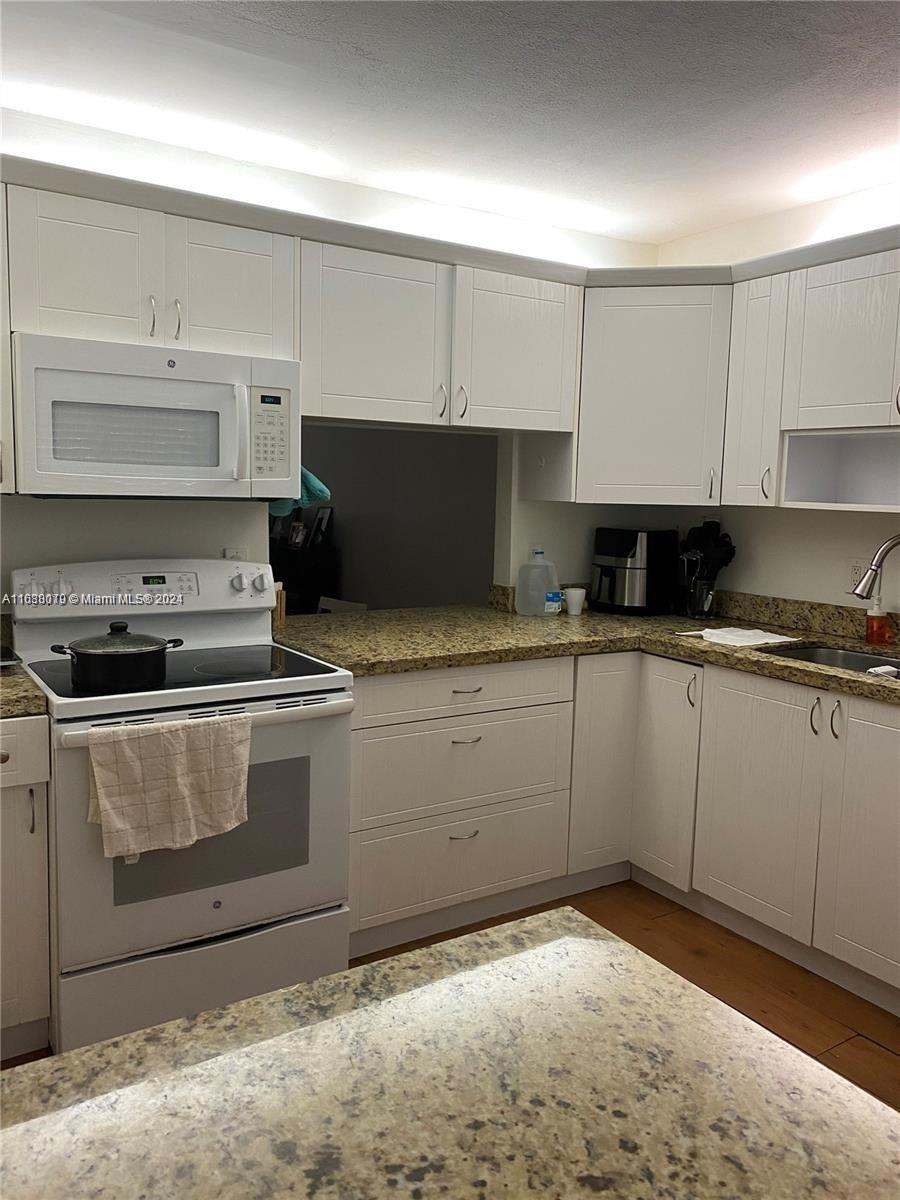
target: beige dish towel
<point>165,786</point>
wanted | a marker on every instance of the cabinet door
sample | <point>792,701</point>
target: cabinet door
<point>374,336</point>
<point>606,696</point>
<point>758,798</point>
<point>7,456</point>
<point>858,884</point>
<point>229,290</point>
<point>755,371</point>
<point>84,268</point>
<point>515,351</point>
<point>665,769</point>
<point>841,357</point>
<point>654,375</point>
<point>24,925</point>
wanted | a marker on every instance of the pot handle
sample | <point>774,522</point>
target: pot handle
<point>57,649</point>
<point>173,643</point>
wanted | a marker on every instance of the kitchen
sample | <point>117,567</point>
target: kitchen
<point>448,624</point>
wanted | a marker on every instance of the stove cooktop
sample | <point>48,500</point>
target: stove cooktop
<point>203,668</point>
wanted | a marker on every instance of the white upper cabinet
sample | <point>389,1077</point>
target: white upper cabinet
<point>87,269</point>
<point>858,883</point>
<point>84,268</point>
<point>229,290</point>
<point>515,351</point>
<point>374,335</point>
<point>841,356</point>
<point>654,376</point>
<point>755,371</point>
<point>7,453</point>
<point>758,798</point>
<point>665,769</point>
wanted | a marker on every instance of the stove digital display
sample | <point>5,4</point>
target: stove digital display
<point>153,580</point>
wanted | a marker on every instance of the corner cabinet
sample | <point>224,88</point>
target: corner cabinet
<point>24,900</point>
<point>386,338</point>
<point>87,269</point>
<point>842,354</point>
<point>665,769</point>
<point>654,376</point>
<point>755,370</point>
<point>857,915</point>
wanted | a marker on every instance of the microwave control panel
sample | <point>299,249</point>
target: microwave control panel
<point>270,425</point>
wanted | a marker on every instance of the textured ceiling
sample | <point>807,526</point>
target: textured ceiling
<point>644,120</point>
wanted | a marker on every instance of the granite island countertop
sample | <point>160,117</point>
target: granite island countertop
<point>20,696</point>
<point>542,1057</point>
<point>389,641</point>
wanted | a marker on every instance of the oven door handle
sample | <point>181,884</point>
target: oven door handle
<point>279,716</point>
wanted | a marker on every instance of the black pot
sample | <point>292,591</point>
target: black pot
<point>118,661</point>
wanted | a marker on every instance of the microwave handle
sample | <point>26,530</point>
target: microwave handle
<point>242,430</point>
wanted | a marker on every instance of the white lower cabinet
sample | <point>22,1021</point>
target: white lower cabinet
<point>24,902</point>
<point>401,870</point>
<point>606,697</point>
<point>857,915</point>
<point>758,797</point>
<point>665,769</point>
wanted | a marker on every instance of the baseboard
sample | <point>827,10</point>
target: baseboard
<point>22,1039</point>
<point>874,990</point>
<point>382,937</point>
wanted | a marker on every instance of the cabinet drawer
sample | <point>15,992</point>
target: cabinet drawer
<point>422,695</point>
<point>429,767</point>
<point>25,740</point>
<point>424,865</point>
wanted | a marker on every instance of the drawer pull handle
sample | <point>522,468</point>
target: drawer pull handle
<point>32,826</point>
<point>691,682</point>
<point>465,741</point>
<point>466,691</point>
<point>4,756</point>
<point>834,713</point>
<point>463,837</point>
<point>817,703</point>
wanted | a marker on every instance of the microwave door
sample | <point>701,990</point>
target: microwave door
<point>91,430</point>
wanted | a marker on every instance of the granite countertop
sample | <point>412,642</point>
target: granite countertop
<point>542,1057</point>
<point>20,696</point>
<point>414,639</point>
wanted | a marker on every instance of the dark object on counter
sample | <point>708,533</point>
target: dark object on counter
<point>704,552</point>
<point>8,656</point>
<point>307,564</point>
<point>633,570</point>
<point>118,661</point>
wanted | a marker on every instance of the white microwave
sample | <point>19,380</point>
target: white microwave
<point>112,419</point>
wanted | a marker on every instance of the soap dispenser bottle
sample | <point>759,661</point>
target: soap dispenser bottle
<point>879,627</point>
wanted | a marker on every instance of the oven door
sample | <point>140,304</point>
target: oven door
<point>107,418</point>
<point>289,857</point>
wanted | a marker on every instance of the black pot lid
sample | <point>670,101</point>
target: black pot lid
<point>119,640</point>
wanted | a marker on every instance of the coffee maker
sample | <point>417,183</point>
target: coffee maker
<point>634,570</point>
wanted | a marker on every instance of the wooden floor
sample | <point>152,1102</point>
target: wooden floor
<point>850,1035</point>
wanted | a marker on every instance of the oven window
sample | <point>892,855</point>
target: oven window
<point>275,837</point>
<point>134,434</point>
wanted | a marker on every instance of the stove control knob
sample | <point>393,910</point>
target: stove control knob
<point>239,582</point>
<point>260,582</point>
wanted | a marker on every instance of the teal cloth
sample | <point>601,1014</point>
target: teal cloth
<point>312,491</point>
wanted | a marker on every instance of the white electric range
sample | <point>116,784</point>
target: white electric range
<point>245,912</point>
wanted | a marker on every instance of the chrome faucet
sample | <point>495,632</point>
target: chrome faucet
<point>866,585</point>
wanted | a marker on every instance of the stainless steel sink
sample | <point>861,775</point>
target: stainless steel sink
<point>828,656</point>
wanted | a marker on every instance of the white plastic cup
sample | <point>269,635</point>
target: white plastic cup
<point>575,601</point>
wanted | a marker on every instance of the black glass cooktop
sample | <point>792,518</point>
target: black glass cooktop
<point>203,668</point>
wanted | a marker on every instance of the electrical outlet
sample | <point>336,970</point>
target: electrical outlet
<point>238,553</point>
<point>856,572</point>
